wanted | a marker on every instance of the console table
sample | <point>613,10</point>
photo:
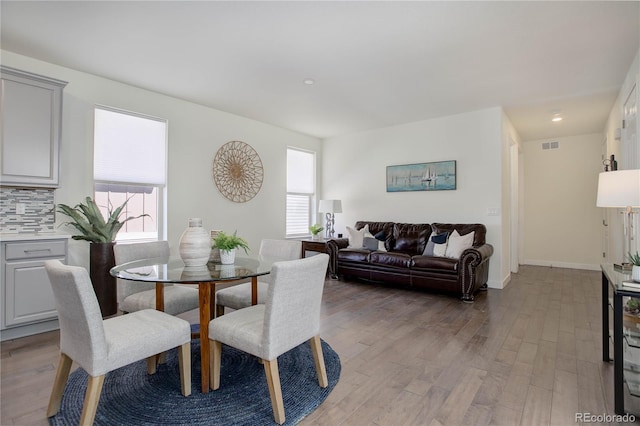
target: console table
<point>613,293</point>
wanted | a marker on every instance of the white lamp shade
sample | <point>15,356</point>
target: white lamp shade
<point>619,188</point>
<point>330,206</point>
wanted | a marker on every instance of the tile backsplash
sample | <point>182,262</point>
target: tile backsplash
<point>39,207</point>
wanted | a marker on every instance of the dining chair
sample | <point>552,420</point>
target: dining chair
<point>135,296</point>
<point>290,316</point>
<point>99,346</point>
<point>239,296</point>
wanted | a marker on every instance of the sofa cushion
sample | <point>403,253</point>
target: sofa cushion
<point>392,259</point>
<point>410,238</point>
<point>463,229</point>
<point>435,263</point>
<point>353,255</point>
<point>458,243</point>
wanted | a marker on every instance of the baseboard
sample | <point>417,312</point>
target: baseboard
<point>499,284</point>
<point>566,265</point>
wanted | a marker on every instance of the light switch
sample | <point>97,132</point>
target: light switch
<point>21,208</point>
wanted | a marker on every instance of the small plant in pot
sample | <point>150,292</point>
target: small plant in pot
<point>635,270</point>
<point>315,230</point>
<point>228,244</point>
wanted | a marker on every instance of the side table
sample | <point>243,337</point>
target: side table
<point>313,245</point>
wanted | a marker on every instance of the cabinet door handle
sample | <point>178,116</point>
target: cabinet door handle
<point>36,250</point>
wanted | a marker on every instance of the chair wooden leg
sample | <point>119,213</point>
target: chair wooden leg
<point>151,364</point>
<point>219,311</point>
<point>162,358</point>
<point>62,374</point>
<point>318,359</point>
<point>184,361</point>
<point>214,361</point>
<point>91,398</point>
<point>273,380</point>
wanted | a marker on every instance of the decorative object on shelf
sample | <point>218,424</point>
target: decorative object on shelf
<point>237,171</point>
<point>436,176</point>
<point>195,244</point>
<point>621,189</point>
<point>330,207</point>
<point>228,245</point>
<point>635,268</point>
<point>315,229</point>
<point>88,220</point>
<point>632,309</point>
<point>214,256</point>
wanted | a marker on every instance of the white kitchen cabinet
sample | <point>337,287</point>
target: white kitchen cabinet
<point>27,298</point>
<point>31,123</point>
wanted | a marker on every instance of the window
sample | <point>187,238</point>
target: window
<point>301,188</point>
<point>129,163</point>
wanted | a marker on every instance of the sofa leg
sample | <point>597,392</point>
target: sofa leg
<point>333,276</point>
<point>483,287</point>
<point>468,298</point>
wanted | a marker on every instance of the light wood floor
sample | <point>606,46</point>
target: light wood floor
<point>526,355</point>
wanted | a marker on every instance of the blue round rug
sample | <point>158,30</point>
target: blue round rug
<point>132,397</point>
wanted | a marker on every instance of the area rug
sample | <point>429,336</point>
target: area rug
<point>132,397</point>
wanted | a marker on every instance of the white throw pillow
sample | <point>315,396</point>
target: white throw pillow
<point>458,243</point>
<point>440,249</point>
<point>356,237</point>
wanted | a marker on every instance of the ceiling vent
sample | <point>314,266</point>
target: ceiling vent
<point>550,145</point>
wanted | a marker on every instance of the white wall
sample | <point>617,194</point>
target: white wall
<point>562,223</point>
<point>354,171</point>
<point>195,134</point>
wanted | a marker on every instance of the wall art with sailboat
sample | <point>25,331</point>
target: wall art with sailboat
<point>436,176</point>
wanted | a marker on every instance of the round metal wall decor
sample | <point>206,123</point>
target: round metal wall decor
<point>237,171</point>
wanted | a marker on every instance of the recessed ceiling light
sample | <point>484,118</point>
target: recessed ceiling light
<point>556,118</point>
<point>308,81</point>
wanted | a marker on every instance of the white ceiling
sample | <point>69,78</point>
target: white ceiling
<point>375,64</point>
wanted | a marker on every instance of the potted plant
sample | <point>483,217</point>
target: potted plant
<point>635,270</point>
<point>228,244</point>
<point>315,230</point>
<point>88,220</point>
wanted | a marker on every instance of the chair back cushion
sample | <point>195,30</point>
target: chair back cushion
<point>82,335</point>
<point>137,251</point>
<point>292,307</point>
<point>281,250</point>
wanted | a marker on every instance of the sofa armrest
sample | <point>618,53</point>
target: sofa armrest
<point>474,270</point>
<point>333,245</point>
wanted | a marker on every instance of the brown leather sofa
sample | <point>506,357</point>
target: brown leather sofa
<point>404,263</point>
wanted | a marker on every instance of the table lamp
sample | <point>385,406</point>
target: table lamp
<point>621,189</point>
<point>330,207</point>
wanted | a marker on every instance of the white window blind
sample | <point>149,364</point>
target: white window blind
<point>129,148</point>
<point>300,191</point>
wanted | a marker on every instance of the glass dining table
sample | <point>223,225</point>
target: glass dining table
<point>208,277</point>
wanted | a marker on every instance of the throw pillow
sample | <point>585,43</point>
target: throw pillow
<point>459,243</point>
<point>356,237</point>
<point>439,249</point>
<point>381,238</point>
<point>370,243</point>
<point>434,239</point>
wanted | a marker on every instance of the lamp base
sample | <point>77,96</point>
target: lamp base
<point>623,266</point>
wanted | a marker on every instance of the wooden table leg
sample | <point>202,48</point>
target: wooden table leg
<point>160,297</point>
<point>204,296</point>
<point>254,290</point>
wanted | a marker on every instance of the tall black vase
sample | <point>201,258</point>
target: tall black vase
<point>101,260</point>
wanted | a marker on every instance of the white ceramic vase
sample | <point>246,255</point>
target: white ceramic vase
<point>227,257</point>
<point>195,244</point>
<point>635,273</point>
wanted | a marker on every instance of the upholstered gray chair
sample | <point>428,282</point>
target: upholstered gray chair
<point>135,296</point>
<point>239,296</point>
<point>100,346</point>
<point>289,317</point>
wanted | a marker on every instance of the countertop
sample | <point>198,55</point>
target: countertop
<point>7,236</point>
